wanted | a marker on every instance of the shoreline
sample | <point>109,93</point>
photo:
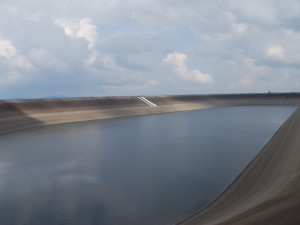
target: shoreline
<point>267,191</point>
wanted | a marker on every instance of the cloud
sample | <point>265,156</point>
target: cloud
<point>11,77</point>
<point>286,55</point>
<point>14,60</point>
<point>238,28</point>
<point>248,75</point>
<point>275,52</point>
<point>7,49</point>
<point>131,89</point>
<point>43,59</point>
<point>16,65</point>
<point>85,29</point>
<point>88,31</point>
<point>178,62</point>
<point>245,81</point>
<point>92,58</point>
<point>82,29</point>
<point>264,12</point>
<point>20,62</point>
<point>63,39</point>
<point>129,50</point>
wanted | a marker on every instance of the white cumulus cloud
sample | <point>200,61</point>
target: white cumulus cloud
<point>275,52</point>
<point>17,67</point>
<point>178,62</point>
<point>82,29</point>
<point>287,54</point>
<point>7,49</point>
<point>238,28</point>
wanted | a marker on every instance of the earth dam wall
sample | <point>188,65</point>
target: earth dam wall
<point>17,115</point>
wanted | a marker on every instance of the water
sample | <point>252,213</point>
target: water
<point>156,169</point>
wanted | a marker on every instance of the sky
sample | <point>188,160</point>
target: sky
<point>76,48</point>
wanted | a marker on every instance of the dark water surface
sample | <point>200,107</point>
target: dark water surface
<point>156,169</point>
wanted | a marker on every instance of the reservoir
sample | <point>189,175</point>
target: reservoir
<point>154,169</point>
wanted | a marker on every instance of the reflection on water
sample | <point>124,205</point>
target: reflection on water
<point>155,169</point>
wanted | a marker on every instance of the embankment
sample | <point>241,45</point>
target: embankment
<point>17,115</point>
<point>267,192</point>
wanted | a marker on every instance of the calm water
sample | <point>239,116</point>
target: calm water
<point>156,169</point>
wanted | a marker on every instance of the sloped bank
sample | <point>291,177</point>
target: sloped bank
<point>268,190</point>
<point>17,115</point>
